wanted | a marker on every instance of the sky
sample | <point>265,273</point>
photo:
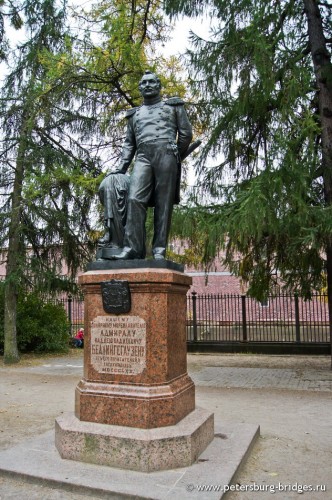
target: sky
<point>180,36</point>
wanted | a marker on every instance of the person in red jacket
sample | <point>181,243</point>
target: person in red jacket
<point>79,338</point>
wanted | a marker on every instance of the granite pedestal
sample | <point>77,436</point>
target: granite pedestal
<point>136,394</point>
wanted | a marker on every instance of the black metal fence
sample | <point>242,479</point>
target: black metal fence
<point>238,318</point>
<point>74,307</point>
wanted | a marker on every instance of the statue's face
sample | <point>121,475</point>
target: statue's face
<point>149,86</point>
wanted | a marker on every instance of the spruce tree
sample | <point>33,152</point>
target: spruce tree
<point>24,113</point>
<point>263,85</point>
<point>9,12</point>
<point>60,110</point>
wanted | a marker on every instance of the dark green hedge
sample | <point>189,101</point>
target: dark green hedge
<point>41,326</point>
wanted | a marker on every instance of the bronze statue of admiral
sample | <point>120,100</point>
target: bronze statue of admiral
<point>159,134</point>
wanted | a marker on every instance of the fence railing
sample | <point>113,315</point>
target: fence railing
<point>74,307</point>
<point>238,318</point>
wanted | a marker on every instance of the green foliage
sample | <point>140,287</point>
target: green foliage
<point>192,226</point>
<point>41,326</point>
<point>62,118</point>
<point>8,10</point>
<point>262,182</point>
<point>46,199</point>
<point>61,122</point>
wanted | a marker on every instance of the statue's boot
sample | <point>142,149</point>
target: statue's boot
<point>159,253</point>
<point>125,254</point>
<point>158,256</point>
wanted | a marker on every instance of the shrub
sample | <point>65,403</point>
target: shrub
<point>41,326</point>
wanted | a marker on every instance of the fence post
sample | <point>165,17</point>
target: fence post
<point>194,298</point>
<point>70,301</point>
<point>244,318</point>
<point>297,318</point>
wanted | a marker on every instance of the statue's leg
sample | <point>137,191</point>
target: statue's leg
<point>140,190</point>
<point>165,170</point>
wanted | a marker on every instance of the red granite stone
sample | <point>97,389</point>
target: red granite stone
<point>143,385</point>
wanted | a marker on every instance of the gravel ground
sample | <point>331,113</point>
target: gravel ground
<point>289,396</point>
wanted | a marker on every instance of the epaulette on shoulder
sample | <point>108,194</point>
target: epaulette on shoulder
<point>174,101</point>
<point>130,112</point>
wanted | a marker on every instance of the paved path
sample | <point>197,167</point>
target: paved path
<point>290,397</point>
<point>259,378</point>
<point>307,373</point>
<point>284,372</point>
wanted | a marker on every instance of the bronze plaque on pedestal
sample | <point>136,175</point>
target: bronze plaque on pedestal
<point>116,296</point>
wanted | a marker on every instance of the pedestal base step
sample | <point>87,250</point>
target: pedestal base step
<point>143,450</point>
<point>36,460</point>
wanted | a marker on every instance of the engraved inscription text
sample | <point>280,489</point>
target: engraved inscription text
<point>118,344</point>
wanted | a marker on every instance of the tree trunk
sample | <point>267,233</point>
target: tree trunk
<point>14,257</point>
<point>323,71</point>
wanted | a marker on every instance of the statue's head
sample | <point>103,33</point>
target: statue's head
<point>149,85</point>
